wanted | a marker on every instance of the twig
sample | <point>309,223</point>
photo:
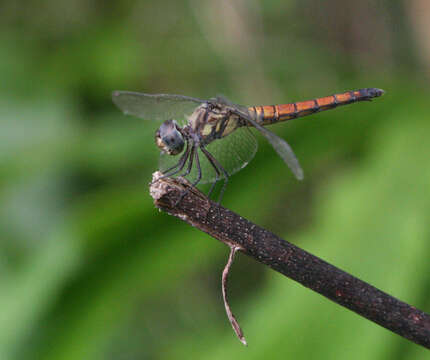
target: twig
<point>297,264</point>
<point>231,317</point>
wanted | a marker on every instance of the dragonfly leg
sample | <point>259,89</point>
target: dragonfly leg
<point>214,183</point>
<point>215,163</point>
<point>181,163</point>
<point>218,173</point>
<point>190,162</point>
<point>199,169</point>
<point>190,166</point>
<point>199,173</point>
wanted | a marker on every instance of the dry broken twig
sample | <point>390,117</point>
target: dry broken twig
<point>310,271</point>
<point>230,315</point>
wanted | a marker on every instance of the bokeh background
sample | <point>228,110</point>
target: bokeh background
<point>89,269</point>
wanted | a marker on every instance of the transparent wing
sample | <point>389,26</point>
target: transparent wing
<point>280,145</point>
<point>284,151</point>
<point>156,106</point>
<point>233,152</point>
<point>221,99</point>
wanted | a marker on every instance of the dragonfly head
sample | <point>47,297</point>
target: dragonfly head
<point>169,139</point>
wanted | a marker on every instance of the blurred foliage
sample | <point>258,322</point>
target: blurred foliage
<point>90,270</point>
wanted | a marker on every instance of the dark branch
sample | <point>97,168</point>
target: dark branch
<point>295,263</point>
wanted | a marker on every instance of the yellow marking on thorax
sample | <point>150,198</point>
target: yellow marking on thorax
<point>195,118</point>
<point>232,124</point>
<point>207,129</point>
<point>218,126</point>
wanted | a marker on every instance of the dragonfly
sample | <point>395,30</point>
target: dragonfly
<point>207,141</point>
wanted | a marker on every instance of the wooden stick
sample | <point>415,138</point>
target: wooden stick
<point>310,271</point>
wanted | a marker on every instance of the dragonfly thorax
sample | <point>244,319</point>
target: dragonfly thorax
<point>168,138</point>
<point>210,122</point>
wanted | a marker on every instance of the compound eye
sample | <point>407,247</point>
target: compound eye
<point>174,142</point>
<point>169,139</point>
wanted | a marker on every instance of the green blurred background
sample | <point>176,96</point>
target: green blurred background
<point>89,269</point>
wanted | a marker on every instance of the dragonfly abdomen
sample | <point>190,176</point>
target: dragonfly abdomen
<point>270,114</point>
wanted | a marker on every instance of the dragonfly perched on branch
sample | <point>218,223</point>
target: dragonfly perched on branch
<point>209,140</point>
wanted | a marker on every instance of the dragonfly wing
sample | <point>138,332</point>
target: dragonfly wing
<point>158,107</point>
<point>280,145</point>
<point>233,152</point>
<point>284,151</point>
<point>221,99</point>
